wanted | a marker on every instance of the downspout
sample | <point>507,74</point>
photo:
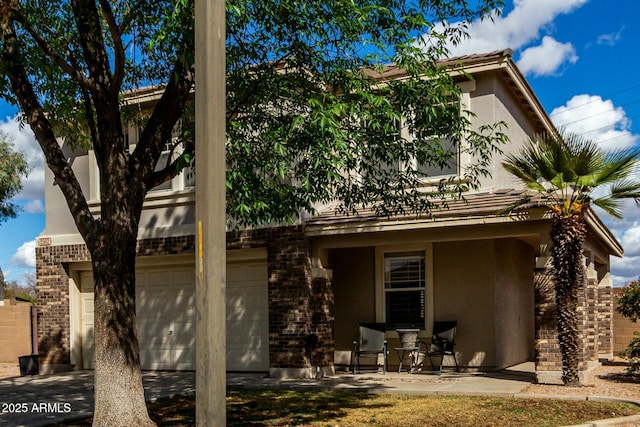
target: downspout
<point>34,330</point>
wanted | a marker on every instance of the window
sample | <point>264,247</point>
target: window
<point>450,156</point>
<point>404,289</point>
<point>440,159</point>
<point>441,141</point>
<point>162,163</point>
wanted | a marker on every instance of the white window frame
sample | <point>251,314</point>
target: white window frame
<point>183,181</point>
<point>380,252</point>
<point>463,156</point>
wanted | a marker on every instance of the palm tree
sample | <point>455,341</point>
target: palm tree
<point>565,170</point>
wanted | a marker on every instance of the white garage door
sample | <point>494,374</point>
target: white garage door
<point>247,316</point>
<point>165,298</point>
<point>86,318</point>
<point>166,313</point>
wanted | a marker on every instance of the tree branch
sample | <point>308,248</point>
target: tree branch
<point>73,72</point>
<point>116,36</point>
<point>166,113</point>
<point>96,57</point>
<point>43,130</point>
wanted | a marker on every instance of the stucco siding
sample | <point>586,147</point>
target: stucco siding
<point>514,294</point>
<point>58,219</point>
<point>464,275</point>
<point>493,102</point>
<point>354,291</point>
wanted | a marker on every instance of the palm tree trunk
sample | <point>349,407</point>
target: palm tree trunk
<point>567,236</point>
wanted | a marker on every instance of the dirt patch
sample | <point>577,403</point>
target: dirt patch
<point>9,370</point>
<point>606,380</point>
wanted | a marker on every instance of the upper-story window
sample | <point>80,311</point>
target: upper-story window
<point>441,159</point>
<point>183,181</point>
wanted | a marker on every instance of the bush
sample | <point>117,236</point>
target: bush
<point>629,302</point>
<point>632,352</point>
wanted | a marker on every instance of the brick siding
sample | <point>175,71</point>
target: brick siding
<point>595,313</point>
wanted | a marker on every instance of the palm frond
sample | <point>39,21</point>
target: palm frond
<point>566,169</point>
<point>611,206</point>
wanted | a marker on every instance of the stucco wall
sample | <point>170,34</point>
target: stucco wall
<point>494,102</point>
<point>514,294</point>
<point>623,328</point>
<point>354,291</point>
<point>15,331</point>
<point>464,274</point>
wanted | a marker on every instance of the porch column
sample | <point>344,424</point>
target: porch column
<point>548,360</point>
<point>300,309</point>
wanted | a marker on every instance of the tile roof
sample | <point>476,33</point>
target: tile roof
<point>473,205</point>
<point>393,71</point>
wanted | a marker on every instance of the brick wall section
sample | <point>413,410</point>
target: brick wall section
<point>299,305</point>
<point>547,349</point>
<point>548,356</point>
<point>52,294</point>
<point>594,322</point>
<point>15,330</point>
<point>587,320</point>
<point>623,328</point>
<point>605,311</point>
<point>323,321</point>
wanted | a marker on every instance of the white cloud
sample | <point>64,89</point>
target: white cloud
<point>24,140</point>
<point>610,39</point>
<point>34,206</point>
<point>627,231</point>
<point>25,256</point>
<point>596,119</point>
<point>547,57</point>
<point>522,26</point>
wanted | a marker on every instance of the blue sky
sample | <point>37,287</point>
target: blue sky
<point>579,56</point>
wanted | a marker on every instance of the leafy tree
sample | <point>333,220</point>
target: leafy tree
<point>310,118</point>
<point>25,289</point>
<point>570,174</point>
<point>629,306</point>
<point>13,166</point>
<point>629,301</point>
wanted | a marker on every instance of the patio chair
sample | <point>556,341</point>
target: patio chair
<point>442,343</point>
<point>371,344</point>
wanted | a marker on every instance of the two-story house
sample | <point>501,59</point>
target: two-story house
<point>322,277</point>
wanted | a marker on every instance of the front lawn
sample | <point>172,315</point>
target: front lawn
<point>346,409</point>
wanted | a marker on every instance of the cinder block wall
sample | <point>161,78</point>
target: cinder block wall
<point>623,328</point>
<point>15,331</point>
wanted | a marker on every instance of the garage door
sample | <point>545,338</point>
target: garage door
<point>247,316</point>
<point>165,298</point>
<point>86,319</point>
<point>166,313</point>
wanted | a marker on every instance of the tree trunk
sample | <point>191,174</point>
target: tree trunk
<point>119,394</point>
<point>567,237</point>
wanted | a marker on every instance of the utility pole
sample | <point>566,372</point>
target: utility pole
<point>210,213</point>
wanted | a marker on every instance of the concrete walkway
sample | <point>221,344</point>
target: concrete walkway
<point>44,400</point>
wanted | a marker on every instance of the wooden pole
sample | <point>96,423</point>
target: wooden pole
<point>210,213</point>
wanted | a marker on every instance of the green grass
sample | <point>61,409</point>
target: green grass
<point>346,409</point>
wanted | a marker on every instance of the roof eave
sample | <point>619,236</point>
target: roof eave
<point>603,234</point>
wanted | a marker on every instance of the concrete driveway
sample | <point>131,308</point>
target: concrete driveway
<point>47,399</point>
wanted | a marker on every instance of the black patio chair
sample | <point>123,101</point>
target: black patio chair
<point>371,344</point>
<point>442,343</point>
